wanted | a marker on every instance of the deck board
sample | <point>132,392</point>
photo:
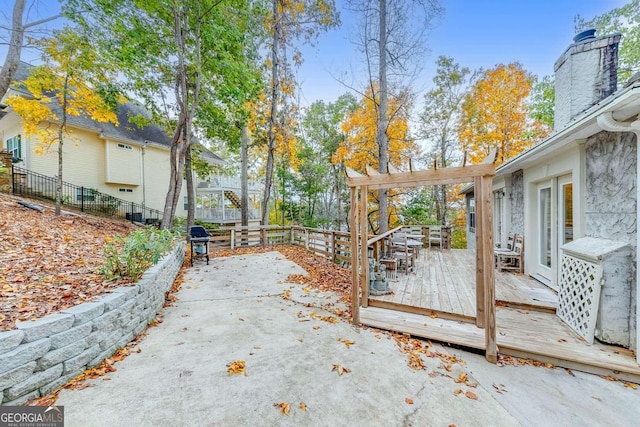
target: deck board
<point>445,281</point>
<point>526,323</point>
<point>521,333</point>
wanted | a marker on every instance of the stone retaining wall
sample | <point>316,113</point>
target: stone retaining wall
<point>43,355</point>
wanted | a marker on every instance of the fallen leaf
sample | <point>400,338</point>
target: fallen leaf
<point>461,378</point>
<point>303,406</point>
<point>471,395</point>
<point>457,391</point>
<point>284,407</point>
<point>408,401</point>
<point>237,367</point>
<point>341,369</point>
<point>346,342</point>
<point>500,388</point>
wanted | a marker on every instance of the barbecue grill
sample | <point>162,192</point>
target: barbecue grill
<point>199,238</point>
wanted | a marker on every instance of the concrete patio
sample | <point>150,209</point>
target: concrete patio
<point>242,308</point>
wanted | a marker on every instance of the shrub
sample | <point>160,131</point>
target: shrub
<point>129,257</point>
<point>459,238</point>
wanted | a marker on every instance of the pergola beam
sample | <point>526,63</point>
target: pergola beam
<point>453,175</point>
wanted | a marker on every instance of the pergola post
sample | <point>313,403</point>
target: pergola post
<point>353,218</point>
<point>489,285</point>
<point>364,254</point>
<point>481,175</point>
<point>479,212</point>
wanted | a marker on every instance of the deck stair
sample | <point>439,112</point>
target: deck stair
<point>233,198</point>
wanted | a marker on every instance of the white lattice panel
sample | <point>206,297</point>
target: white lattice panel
<point>579,295</point>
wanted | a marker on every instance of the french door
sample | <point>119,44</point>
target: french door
<point>554,227</point>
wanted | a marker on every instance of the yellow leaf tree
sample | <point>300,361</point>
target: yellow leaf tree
<point>494,114</point>
<point>72,81</point>
<point>361,148</point>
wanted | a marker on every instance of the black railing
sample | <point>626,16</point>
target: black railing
<point>38,186</point>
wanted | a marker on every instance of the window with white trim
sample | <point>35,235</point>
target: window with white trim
<point>14,147</point>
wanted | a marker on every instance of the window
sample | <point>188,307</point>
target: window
<point>472,214</point>
<point>14,147</point>
<point>125,147</point>
<point>85,194</point>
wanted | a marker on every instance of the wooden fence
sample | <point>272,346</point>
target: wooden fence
<point>333,245</point>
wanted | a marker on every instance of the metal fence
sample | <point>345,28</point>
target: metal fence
<point>37,186</point>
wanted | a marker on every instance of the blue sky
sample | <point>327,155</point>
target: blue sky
<point>475,33</point>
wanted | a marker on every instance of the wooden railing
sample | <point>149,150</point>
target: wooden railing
<point>334,245</point>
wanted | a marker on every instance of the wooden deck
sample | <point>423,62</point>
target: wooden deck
<point>444,282</point>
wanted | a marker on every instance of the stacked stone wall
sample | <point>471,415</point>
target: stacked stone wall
<point>43,355</point>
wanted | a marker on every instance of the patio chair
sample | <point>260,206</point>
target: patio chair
<point>404,254</point>
<point>435,236</point>
<point>512,260</point>
<point>508,248</point>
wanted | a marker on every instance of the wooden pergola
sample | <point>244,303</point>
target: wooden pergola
<point>482,177</point>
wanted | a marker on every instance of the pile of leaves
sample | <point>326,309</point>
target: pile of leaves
<point>49,263</point>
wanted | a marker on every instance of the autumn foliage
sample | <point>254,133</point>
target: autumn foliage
<point>70,83</point>
<point>360,148</point>
<point>494,115</point>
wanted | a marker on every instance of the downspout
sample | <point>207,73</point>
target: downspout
<point>608,123</point>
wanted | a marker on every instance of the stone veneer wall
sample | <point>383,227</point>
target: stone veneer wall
<point>517,202</point>
<point>43,355</point>
<point>610,204</point>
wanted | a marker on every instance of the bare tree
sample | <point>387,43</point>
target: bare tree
<point>392,37</point>
<point>16,41</point>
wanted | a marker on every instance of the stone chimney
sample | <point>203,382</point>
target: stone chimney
<point>585,73</point>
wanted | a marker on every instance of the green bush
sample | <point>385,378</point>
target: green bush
<point>129,257</point>
<point>459,238</point>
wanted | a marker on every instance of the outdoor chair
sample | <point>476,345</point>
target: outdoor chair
<point>404,254</point>
<point>512,260</point>
<point>508,248</point>
<point>435,236</point>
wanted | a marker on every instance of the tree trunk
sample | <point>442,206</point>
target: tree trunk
<point>12,60</point>
<point>244,175</point>
<point>191,203</point>
<point>244,182</point>
<point>15,48</point>
<point>63,124</point>
<point>271,122</point>
<point>381,135</point>
<point>443,188</point>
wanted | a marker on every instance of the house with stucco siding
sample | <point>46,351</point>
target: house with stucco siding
<point>574,195</point>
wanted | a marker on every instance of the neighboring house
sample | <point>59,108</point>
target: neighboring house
<point>126,161</point>
<point>573,196</point>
